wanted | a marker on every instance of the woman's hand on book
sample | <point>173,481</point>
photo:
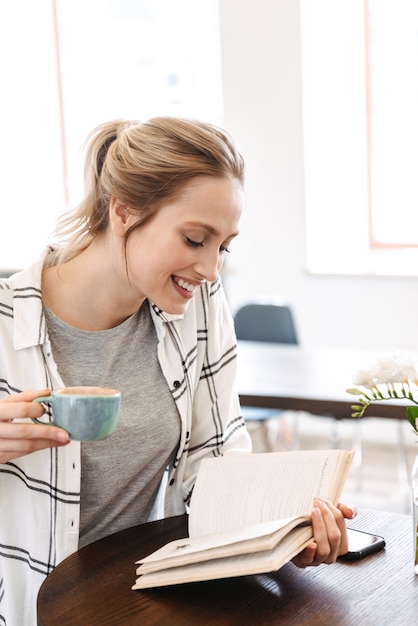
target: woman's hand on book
<point>329,530</point>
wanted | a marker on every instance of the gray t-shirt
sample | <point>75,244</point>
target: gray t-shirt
<point>120,476</point>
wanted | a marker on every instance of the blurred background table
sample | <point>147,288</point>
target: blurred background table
<point>310,385</point>
<point>93,586</point>
<point>300,379</point>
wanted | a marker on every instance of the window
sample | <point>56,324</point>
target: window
<point>71,66</point>
<point>392,97</point>
<point>359,86</point>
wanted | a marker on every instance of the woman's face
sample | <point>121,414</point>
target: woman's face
<point>185,243</point>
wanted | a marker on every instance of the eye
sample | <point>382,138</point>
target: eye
<point>194,244</point>
<point>224,249</point>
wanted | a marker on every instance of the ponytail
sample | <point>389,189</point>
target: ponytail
<point>143,165</point>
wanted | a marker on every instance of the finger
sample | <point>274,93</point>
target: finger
<point>330,532</point>
<point>12,431</point>
<point>27,396</point>
<point>17,440</point>
<point>326,533</point>
<point>22,405</point>
<point>349,511</point>
<point>306,557</point>
<point>341,512</point>
<point>24,447</point>
<point>318,550</point>
<point>320,532</point>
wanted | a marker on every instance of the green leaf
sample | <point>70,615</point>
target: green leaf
<point>354,391</point>
<point>412,415</point>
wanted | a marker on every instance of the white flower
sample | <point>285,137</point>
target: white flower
<point>364,378</point>
<point>396,368</point>
<point>399,367</point>
<point>393,377</point>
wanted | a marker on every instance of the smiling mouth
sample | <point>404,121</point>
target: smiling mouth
<point>184,284</point>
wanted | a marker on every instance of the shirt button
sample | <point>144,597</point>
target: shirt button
<point>176,384</point>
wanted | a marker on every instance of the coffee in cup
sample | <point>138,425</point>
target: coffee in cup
<point>86,413</point>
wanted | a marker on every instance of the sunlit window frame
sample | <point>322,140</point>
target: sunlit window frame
<point>406,236</point>
<point>336,149</point>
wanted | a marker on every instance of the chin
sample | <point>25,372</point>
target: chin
<point>173,309</point>
<point>178,310</point>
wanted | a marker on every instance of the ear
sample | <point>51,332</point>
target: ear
<point>120,217</point>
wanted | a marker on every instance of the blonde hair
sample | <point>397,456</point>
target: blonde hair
<point>144,165</point>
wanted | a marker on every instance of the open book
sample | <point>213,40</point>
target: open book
<point>249,514</point>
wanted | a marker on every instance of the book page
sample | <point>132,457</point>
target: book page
<point>241,565</point>
<point>264,536</point>
<point>240,490</point>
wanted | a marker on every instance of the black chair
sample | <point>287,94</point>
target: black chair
<point>273,323</point>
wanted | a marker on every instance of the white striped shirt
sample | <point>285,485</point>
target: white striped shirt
<point>40,493</point>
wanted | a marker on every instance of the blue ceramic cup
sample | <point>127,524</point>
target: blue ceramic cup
<point>87,413</point>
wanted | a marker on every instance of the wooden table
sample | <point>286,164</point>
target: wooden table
<point>93,586</point>
<point>294,378</point>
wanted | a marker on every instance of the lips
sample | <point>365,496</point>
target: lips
<point>184,287</point>
<point>184,284</point>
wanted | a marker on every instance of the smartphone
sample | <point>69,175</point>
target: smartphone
<point>361,544</point>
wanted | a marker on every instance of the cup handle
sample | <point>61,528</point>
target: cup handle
<point>39,400</point>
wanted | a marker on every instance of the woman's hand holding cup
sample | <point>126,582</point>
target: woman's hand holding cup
<point>86,413</point>
<point>80,413</point>
<point>19,438</point>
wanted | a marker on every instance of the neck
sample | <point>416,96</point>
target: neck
<point>89,292</point>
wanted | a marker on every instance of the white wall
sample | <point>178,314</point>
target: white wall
<point>263,111</point>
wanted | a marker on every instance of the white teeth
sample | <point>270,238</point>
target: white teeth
<point>185,285</point>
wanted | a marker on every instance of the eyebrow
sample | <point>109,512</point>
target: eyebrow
<point>209,228</point>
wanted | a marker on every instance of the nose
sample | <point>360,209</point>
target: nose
<point>210,264</point>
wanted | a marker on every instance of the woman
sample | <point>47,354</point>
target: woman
<point>130,299</point>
